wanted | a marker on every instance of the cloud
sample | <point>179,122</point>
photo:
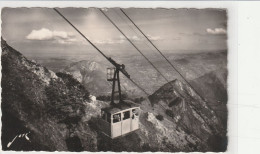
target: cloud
<point>135,38</point>
<point>46,34</point>
<point>154,38</point>
<point>68,41</point>
<point>119,40</point>
<point>176,38</point>
<point>150,37</point>
<point>61,37</point>
<point>108,41</point>
<point>122,39</point>
<point>216,31</point>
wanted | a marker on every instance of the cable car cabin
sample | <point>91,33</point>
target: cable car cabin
<point>120,119</point>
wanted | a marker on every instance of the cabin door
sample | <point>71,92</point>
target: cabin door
<point>126,122</point>
<point>116,125</point>
<point>135,119</point>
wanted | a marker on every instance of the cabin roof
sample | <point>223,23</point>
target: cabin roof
<point>126,104</point>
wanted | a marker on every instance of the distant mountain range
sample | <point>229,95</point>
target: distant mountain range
<point>192,66</point>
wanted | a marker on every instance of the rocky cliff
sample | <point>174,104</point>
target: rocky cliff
<point>47,106</point>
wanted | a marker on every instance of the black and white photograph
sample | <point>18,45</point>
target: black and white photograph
<point>114,79</point>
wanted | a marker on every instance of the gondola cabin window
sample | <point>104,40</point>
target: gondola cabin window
<point>116,117</point>
<point>104,115</point>
<point>135,113</point>
<point>108,117</point>
<point>126,115</point>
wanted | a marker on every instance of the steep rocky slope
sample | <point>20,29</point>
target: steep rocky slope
<point>36,101</point>
<point>213,86</point>
<point>190,113</point>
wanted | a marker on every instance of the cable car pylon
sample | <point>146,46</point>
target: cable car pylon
<point>113,75</point>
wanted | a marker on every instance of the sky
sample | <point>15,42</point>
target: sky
<point>40,31</point>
